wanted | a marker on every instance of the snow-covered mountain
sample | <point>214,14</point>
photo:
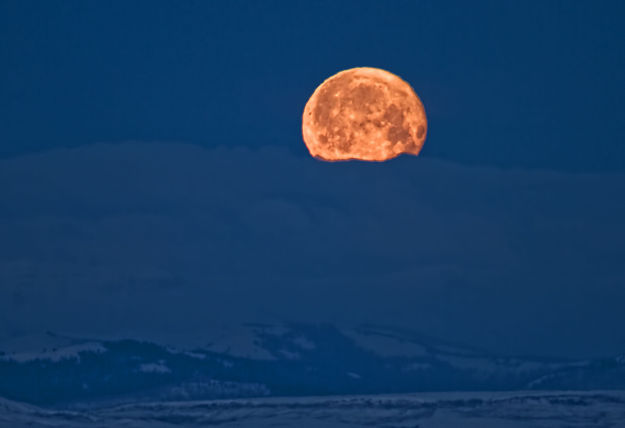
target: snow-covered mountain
<point>277,360</point>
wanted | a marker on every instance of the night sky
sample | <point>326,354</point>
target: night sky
<point>154,181</point>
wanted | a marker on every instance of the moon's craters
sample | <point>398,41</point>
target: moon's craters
<point>363,113</point>
<point>398,131</point>
<point>420,132</point>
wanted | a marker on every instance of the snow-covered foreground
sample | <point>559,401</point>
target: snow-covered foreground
<point>484,410</point>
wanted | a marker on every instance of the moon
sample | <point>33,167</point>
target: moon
<point>363,113</point>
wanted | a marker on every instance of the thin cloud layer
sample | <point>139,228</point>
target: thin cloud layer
<point>165,241</point>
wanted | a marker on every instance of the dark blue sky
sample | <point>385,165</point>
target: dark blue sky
<point>506,233</point>
<point>528,84</point>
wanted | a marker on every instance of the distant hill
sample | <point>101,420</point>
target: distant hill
<point>278,360</point>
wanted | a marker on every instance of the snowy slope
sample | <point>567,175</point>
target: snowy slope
<point>290,360</point>
<point>447,410</point>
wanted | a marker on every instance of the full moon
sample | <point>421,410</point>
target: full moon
<point>363,113</point>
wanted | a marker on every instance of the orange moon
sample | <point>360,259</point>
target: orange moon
<point>363,113</point>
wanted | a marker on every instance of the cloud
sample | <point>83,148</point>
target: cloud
<point>166,240</point>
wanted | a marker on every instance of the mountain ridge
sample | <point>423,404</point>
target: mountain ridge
<point>281,359</point>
